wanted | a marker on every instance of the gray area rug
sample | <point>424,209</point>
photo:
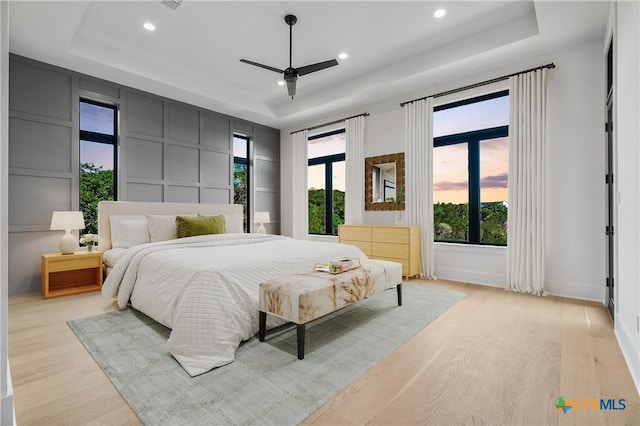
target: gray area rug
<point>266,384</point>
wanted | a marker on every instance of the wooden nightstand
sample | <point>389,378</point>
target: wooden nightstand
<point>64,274</point>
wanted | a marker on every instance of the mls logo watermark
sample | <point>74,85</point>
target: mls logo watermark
<point>582,404</point>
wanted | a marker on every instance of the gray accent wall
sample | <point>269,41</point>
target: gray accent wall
<point>266,176</point>
<point>174,152</point>
<point>168,151</point>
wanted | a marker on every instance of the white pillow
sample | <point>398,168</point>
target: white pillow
<point>128,230</point>
<point>233,223</point>
<point>162,227</point>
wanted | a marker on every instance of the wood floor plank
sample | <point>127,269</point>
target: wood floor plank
<point>496,357</point>
<point>589,368</point>
<point>327,418</point>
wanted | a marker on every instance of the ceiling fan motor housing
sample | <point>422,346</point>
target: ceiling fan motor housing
<point>290,75</point>
<point>290,19</point>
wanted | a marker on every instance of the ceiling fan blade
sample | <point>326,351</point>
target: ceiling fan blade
<point>291,88</point>
<point>267,67</point>
<point>316,67</point>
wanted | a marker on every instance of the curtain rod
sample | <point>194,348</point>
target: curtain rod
<point>366,114</point>
<point>483,83</point>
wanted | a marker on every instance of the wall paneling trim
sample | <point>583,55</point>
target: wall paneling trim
<point>168,151</point>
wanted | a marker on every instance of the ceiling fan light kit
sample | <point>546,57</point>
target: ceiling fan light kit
<point>290,74</point>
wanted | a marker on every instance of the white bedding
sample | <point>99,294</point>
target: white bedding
<point>111,256</point>
<point>206,288</point>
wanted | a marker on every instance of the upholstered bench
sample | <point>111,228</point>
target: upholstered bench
<point>302,298</point>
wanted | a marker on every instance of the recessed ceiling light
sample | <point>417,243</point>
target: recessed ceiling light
<point>343,56</point>
<point>149,26</point>
<point>280,83</point>
<point>439,13</point>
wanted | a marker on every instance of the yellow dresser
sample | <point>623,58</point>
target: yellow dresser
<point>395,243</point>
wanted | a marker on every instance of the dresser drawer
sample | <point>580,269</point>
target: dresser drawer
<point>390,250</point>
<point>354,233</point>
<point>404,262</point>
<point>390,235</point>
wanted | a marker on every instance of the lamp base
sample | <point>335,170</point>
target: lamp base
<point>261,229</point>
<point>68,243</point>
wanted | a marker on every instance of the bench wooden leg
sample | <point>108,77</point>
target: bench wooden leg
<point>263,326</point>
<point>399,288</point>
<point>300,332</point>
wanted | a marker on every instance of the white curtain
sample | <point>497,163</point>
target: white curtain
<point>418,124</point>
<point>300,203</point>
<point>354,170</point>
<point>526,215</point>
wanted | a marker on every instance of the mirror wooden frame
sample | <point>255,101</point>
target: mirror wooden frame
<point>398,158</point>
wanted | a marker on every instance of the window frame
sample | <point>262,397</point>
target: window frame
<point>96,137</point>
<point>327,161</point>
<point>472,139</point>
<point>244,161</point>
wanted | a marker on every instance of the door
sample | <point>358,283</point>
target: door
<point>610,196</point>
<point>610,211</point>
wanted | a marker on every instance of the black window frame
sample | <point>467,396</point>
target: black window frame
<point>86,135</point>
<point>472,139</point>
<point>244,161</point>
<point>327,161</point>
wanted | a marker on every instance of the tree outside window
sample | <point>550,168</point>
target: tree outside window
<point>326,182</point>
<point>241,175</point>
<point>98,142</point>
<point>470,170</point>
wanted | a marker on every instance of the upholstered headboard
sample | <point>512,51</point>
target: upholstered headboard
<point>108,208</point>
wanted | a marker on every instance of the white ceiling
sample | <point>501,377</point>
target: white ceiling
<point>193,56</point>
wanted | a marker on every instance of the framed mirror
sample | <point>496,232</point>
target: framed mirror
<point>384,182</point>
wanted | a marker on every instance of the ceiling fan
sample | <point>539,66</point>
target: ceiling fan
<point>291,74</point>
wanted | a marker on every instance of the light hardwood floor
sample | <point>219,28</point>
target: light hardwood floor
<point>495,357</point>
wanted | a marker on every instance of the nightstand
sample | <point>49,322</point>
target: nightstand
<point>64,274</point>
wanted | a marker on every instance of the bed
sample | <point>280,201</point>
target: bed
<point>205,288</point>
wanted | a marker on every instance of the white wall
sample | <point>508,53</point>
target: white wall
<point>627,136</point>
<point>575,174</point>
<point>576,202</point>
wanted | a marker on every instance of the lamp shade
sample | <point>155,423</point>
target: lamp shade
<point>261,217</point>
<point>61,221</point>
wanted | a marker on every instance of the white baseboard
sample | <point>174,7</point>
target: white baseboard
<point>576,290</point>
<point>472,277</point>
<point>630,351</point>
<point>554,287</point>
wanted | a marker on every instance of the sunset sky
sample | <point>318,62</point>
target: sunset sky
<point>449,162</point>
<point>320,147</point>
<point>95,118</point>
<point>239,147</point>
<point>450,175</point>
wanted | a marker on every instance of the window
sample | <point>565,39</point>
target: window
<point>241,175</point>
<point>326,179</point>
<point>470,170</point>
<point>98,142</point>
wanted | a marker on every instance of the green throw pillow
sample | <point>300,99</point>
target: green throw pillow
<point>190,226</point>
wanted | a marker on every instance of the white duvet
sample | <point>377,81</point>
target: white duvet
<point>206,288</point>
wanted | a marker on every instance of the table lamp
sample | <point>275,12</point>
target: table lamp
<point>66,221</point>
<point>261,218</point>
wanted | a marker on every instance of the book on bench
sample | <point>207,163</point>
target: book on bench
<point>338,266</point>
